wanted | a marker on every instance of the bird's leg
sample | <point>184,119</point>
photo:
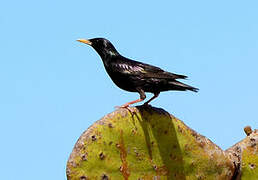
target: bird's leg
<point>155,95</point>
<point>142,97</point>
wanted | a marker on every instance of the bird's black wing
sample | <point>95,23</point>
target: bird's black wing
<point>135,68</point>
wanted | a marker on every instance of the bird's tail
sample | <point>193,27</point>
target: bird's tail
<point>182,86</point>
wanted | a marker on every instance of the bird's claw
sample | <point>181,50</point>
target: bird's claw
<point>146,104</point>
<point>123,106</point>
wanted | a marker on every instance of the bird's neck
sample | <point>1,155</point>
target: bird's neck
<point>108,55</point>
<point>108,58</point>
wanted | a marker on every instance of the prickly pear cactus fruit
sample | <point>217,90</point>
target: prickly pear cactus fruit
<point>247,153</point>
<point>146,143</point>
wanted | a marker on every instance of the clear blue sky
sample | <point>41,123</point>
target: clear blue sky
<point>53,88</point>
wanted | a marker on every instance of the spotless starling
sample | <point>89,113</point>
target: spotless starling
<point>135,76</point>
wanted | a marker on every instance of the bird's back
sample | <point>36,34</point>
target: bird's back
<point>131,75</point>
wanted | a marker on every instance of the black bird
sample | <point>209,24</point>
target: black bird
<point>135,76</point>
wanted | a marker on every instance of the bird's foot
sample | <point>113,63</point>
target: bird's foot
<point>147,105</point>
<point>131,110</point>
<point>123,106</point>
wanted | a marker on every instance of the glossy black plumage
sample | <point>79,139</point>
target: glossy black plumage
<point>135,76</point>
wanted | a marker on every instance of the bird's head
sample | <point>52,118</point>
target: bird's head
<point>103,47</point>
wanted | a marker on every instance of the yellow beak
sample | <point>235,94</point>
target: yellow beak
<point>84,41</point>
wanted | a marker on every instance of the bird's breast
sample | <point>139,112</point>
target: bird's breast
<point>123,81</point>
